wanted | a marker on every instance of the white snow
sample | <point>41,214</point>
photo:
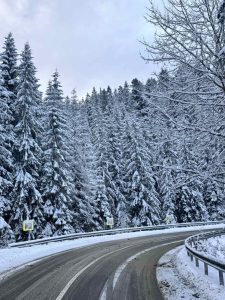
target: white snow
<point>3,223</point>
<point>179,278</point>
<point>11,258</point>
<point>213,248</point>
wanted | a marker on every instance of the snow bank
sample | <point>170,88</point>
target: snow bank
<point>11,258</point>
<point>213,248</point>
<point>179,278</point>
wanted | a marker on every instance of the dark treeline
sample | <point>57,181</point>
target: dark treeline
<point>145,153</point>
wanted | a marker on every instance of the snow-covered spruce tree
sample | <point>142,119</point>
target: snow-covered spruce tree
<point>96,109</point>
<point>139,181</point>
<point>114,178</point>
<point>6,166</point>
<point>27,201</point>
<point>103,115</point>
<point>118,94</point>
<point>87,144</point>
<point>80,173</point>
<point>158,134</point>
<point>107,142</point>
<point>90,171</point>
<point>104,198</point>
<point>101,200</point>
<point>55,178</point>
<point>95,162</point>
<point>167,191</point>
<point>8,83</point>
<point>126,96</point>
<point>9,68</point>
<point>163,80</point>
<point>136,97</point>
<point>190,205</point>
<point>214,199</point>
<point>109,154</point>
<point>118,163</point>
<point>109,150</point>
<point>150,85</point>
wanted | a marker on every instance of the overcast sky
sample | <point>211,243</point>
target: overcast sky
<point>90,42</point>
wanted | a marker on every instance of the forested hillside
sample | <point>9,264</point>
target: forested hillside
<point>145,153</point>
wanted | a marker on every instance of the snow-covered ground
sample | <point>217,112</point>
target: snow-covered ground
<point>213,248</point>
<point>11,258</point>
<point>179,278</point>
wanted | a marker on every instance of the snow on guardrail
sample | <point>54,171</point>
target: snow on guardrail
<point>109,232</point>
<point>191,245</point>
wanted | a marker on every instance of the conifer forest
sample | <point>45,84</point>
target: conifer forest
<point>145,153</point>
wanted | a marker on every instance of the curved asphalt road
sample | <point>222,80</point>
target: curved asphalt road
<point>116,270</point>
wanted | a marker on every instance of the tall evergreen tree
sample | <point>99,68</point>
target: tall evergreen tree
<point>140,183</point>
<point>55,177</point>
<point>9,67</point>
<point>27,198</point>
<point>168,191</point>
<point>81,174</point>
<point>137,99</point>
<point>190,205</point>
<point>6,166</point>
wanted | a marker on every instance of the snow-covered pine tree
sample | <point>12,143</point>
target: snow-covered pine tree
<point>126,96</point>
<point>167,191</point>
<point>104,190</point>
<point>163,80</point>
<point>214,199</point>
<point>6,166</point>
<point>136,97</point>
<point>87,144</point>
<point>110,141</point>
<point>150,85</point>
<point>81,175</point>
<point>9,68</point>
<point>190,204</point>
<point>103,100</point>
<point>139,180</point>
<point>101,200</point>
<point>99,113</point>
<point>114,178</point>
<point>27,201</point>
<point>8,84</point>
<point>118,94</point>
<point>118,162</point>
<point>55,178</point>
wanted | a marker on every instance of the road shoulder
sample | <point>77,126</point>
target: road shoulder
<point>178,278</point>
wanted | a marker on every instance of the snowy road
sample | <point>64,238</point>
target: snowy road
<point>123,269</point>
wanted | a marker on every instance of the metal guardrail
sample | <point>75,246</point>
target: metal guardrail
<point>109,232</point>
<point>193,253</point>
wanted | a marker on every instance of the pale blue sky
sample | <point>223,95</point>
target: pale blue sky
<point>90,42</point>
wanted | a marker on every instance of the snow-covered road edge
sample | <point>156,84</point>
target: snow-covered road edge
<point>12,258</point>
<point>179,278</point>
<point>211,247</point>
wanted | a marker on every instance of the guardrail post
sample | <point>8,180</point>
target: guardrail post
<point>196,262</point>
<point>221,277</point>
<point>191,257</point>
<point>206,268</point>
